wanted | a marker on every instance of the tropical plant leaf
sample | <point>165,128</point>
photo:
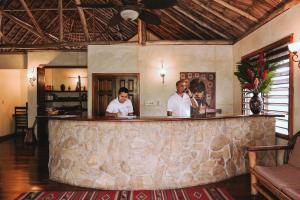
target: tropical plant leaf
<point>247,72</point>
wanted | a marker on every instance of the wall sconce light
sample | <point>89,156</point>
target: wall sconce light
<point>31,77</point>
<point>294,48</point>
<point>162,72</point>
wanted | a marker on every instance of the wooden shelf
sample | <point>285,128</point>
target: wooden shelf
<point>66,100</point>
<point>66,91</point>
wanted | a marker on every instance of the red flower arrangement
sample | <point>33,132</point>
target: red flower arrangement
<point>256,78</point>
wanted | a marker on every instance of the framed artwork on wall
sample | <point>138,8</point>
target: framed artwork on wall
<point>203,86</point>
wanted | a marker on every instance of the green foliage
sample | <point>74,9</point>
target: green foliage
<point>257,77</point>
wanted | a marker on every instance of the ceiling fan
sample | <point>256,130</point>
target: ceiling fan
<point>133,9</point>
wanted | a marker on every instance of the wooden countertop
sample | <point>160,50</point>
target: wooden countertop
<point>151,119</point>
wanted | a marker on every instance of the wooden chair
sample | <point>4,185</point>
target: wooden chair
<point>284,180</point>
<point>21,119</point>
<point>30,136</point>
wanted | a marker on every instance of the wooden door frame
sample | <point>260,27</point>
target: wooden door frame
<point>95,76</point>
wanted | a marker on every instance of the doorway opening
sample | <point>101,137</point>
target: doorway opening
<point>106,87</point>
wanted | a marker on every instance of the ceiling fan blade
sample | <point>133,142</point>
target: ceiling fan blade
<point>159,4</point>
<point>115,20</point>
<point>149,18</point>
<point>129,2</point>
<point>96,5</point>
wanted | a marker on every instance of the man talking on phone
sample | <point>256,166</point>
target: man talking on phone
<point>179,103</point>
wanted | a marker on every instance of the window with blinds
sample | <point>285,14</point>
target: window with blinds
<point>279,99</point>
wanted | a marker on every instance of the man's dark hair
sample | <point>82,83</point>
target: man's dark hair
<point>180,81</point>
<point>123,89</point>
<point>196,85</point>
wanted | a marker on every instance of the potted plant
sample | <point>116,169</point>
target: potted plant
<point>256,78</point>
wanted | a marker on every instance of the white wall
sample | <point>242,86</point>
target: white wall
<point>280,27</point>
<point>13,92</point>
<point>12,61</point>
<point>68,77</point>
<point>146,60</point>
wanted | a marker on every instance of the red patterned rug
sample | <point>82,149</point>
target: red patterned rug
<point>195,193</point>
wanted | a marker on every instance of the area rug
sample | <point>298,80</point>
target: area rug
<point>194,193</point>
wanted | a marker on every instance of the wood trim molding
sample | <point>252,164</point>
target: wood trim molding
<point>291,93</point>
<point>268,47</point>
<point>62,67</point>
<point>267,148</point>
<point>281,136</point>
<point>190,42</point>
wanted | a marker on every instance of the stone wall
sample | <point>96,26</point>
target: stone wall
<point>154,155</point>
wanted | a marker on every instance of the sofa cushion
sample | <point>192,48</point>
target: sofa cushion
<point>280,176</point>
<point>294,158</point>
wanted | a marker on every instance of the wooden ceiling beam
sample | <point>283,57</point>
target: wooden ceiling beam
<point>61,20</point>
<point>190,42</point>
<point>198,15</point>
<point>1,29</point>
<point>158,32</point>
<point>38,21</point>
<point>29,13</point>
<point>212,21</point>
<point>128,28</point>
<point>41,9</point>
<point>237,10</point>
<point>200,23</point>
<point>61,45</point>
<point>142,37</point>
<point>180,15</point>
<point>83,21</point>
<point>217,14</point>
<point>181,24</point>
<point>23,24</point>
<point>3,38</point>
<point>84,44</point>
<point>101,23</point>
<point>27,26</point>
<point>269,17</point>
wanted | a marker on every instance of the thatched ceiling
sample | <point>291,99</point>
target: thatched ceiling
<point>37,24</point>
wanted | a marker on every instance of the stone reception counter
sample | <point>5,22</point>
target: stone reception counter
<point>154,153</point>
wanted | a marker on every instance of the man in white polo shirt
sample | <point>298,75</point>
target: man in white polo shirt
<point>179,104</point>
<point>120,106</point>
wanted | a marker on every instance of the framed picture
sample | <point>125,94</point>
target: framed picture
<point>203,86</point>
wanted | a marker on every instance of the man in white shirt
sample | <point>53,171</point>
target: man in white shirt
<point>120,106</point>
<point>179,104</point>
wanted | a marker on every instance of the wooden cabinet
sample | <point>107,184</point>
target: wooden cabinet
<point>56,102</point>
<point>66,102</point>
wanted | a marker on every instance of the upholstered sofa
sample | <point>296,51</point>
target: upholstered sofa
<point>283,180</point>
